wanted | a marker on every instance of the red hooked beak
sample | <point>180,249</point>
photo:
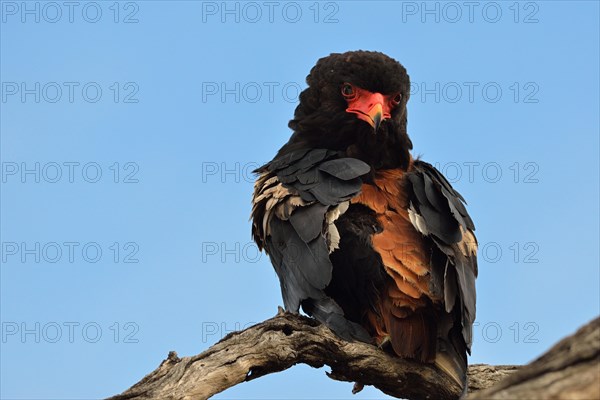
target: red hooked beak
<point>370,107</point>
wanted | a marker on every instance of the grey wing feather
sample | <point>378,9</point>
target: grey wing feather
<point>308,184</point>
<point>345,168</point>
<point>451,229</point>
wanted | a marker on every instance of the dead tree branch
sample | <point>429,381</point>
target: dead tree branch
<point>569,370</point>
<point>285,340</point>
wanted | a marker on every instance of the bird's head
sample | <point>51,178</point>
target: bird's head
<point>355,102</point>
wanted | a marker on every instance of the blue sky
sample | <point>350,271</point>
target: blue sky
<point>129,130</point>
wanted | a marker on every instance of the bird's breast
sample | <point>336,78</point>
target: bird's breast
<point>404,251</point>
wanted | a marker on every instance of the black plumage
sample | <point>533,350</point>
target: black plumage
<point>374,244</point>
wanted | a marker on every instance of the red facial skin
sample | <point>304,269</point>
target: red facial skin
<point>370,107</point>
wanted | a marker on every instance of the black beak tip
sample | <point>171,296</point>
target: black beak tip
<point>377,122</point>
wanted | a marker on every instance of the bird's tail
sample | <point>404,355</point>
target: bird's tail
<point>452,367</point>
<point>451,358</point>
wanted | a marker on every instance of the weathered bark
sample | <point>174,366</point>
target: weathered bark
<point>569,370</point>
<point>285,340</point>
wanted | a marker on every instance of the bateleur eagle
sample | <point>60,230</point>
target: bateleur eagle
<point>373,243</point>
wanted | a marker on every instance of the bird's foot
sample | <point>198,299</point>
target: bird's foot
<point>357,387</point>
<point>383,342</point>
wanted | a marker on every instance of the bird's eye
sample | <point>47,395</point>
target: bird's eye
<point>348,91</point>
<point>396,99</point>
